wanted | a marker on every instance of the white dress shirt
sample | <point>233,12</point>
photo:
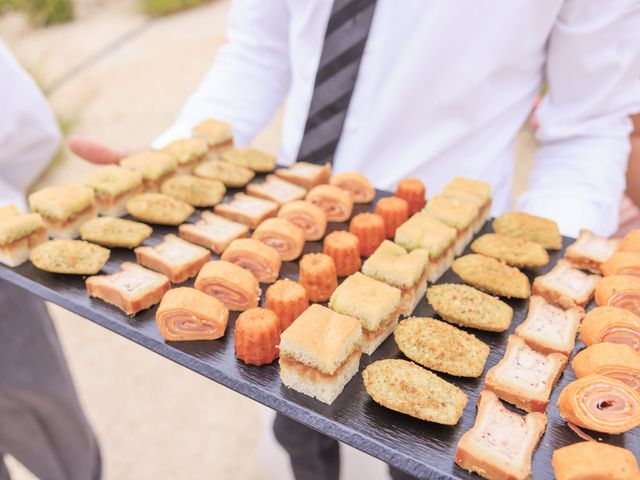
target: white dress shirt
<point>443,88</point>
<point>29,133</point>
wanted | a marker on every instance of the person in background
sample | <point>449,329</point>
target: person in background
<point>431,89</point>
<point>630,209</point>
<point>41,420</point>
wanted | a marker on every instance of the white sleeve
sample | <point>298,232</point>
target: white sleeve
<point>593,73</point>
<point>249,78</point>
<point>29,133</point>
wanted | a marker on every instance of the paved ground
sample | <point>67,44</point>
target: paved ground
<point>121,78</point>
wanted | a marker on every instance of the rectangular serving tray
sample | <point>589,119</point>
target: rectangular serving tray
<point>423,449</point>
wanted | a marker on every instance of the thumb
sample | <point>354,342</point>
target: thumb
<point>94,152</point>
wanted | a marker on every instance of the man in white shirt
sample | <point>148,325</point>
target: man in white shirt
<point>431,89</point>
<point>41,420</point>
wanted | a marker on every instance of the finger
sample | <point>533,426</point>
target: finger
<point>93,152</point>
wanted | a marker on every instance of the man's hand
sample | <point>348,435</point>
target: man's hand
<point>95,152</point>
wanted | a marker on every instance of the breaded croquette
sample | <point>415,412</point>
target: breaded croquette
<point>492,276</point>
<point>468,307</point>
<point>441,347</point>
<point>513,251</point>
<point>115,232</point>
<point>408,388</point>
<point>529,227</point>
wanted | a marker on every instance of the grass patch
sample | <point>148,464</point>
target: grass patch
<point>42,12</point>
<point>165,7</point>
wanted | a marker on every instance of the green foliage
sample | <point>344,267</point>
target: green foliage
<point>42,12</point>
<point>165,7</point>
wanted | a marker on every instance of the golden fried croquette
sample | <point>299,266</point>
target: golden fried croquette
<point>441,347</point>
<point>468,307</point>
<point>529,227</point>
<point>513,251</point>
<point>492,276</point>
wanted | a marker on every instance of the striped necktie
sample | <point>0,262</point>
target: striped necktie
<point>344,43</point>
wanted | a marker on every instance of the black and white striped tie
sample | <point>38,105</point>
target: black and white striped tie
<point>344,43</point>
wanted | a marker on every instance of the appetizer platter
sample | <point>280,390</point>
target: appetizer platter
<point>410,326</point>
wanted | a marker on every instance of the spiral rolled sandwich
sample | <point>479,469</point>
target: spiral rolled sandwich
<point>189,314</point>
<point>260,259</point>
<point>622,291</point>
<point>620,362</point>
<point>232,285</point>
<point>600,403</point>
<point>356,184</point>
<point>282,235</point>
<point>309,217</point>
<point>611,324</point>
<point>335,202</point>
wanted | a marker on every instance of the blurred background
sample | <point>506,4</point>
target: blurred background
<point>118,71</point>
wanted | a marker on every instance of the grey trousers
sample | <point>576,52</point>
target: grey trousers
<point>313,455</point>
<point>41,421</point>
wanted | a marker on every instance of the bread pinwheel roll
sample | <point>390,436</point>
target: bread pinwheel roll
<point>617,361</point>
<point>622,291</point>
<point>335,202</point>
<point>189,314</point>
<point>285,237</point>
<point>310,218</point>
<point>356,184</point>
<point>594,460</point>
<point>611,324</point>
<point>622,263</point>
<point>260,259</point>
<point>600,403</point>
<point>234,286</point>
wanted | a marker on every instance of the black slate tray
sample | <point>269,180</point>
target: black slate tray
<point>420,448</point>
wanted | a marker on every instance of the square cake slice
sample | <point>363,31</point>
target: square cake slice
<point>320,352</point>
<point>393,265</point>
<point>590,251</point>
<point>525,377</point>
<point>501,443</point>
<point>213,231</point>
<point>548,328</point>
<point>247,209</point>
<point>566,286</point>
<point>176,258</point>
<point>374,303</point>
<point>277,190</point>
<point>132,289</point>
<point>457,213</point>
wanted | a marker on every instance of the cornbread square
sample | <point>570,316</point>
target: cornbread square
<point>112,180</point>
<point>132,289</point>
<point>250,158</point>
<point>566,286</point>
<point>19,233</point>
<point>115,232</point>
<point>455,212</point>
<point>321,338</point>
<point>277,190</point>
<point>154,166</point>
<point>590,251</point>
<point>159,208</point>
<point>61,202</point>
<point>187,152</point>
<point>375,304</point>
<point>113,186</point>
<point>515,381</point>
<point>320,353</point>
<point>213,231</point>
<point>176,258</point>
<point>548,328</point>
<point>69,256</point>
<point>393,265</point>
